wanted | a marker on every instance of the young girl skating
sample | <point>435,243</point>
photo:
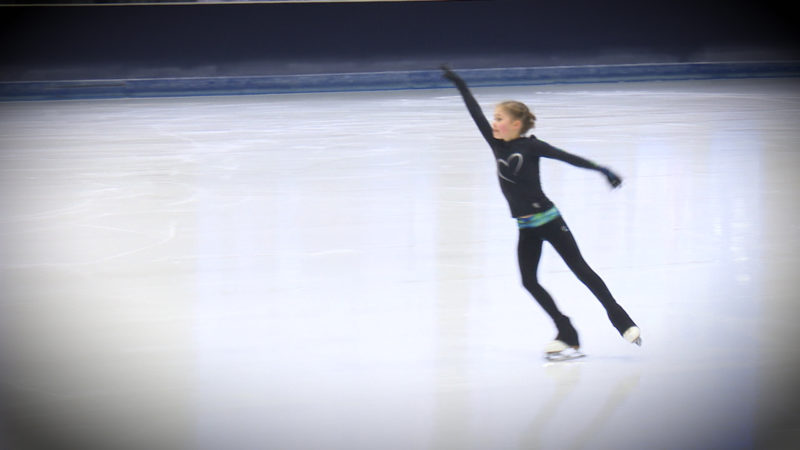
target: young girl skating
<point>539,220</point>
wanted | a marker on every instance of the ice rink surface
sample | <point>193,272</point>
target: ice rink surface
<point>338,271</point>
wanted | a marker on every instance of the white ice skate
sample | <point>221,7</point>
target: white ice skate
<point>560,351</point>
<point>633,335</point>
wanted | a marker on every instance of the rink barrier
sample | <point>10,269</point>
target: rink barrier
<point>397,80</point>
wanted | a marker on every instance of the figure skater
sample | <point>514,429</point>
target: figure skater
<point>538,219</point>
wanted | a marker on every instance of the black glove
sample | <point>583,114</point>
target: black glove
<point>449,74</point>
<point>613,179</point>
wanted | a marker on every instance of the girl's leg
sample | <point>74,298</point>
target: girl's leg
<point>559,236</point>
<point>529,252</point>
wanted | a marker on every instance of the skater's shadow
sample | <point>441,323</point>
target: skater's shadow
<point>567,376</point>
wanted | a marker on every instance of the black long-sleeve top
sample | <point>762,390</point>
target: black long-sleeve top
<point>518,162</point>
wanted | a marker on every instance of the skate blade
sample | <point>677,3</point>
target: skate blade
<point>633,335</point>
<point>564,355</point>
<point>558,346</point>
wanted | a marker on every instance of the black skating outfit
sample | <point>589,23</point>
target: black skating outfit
<point>538,218</point>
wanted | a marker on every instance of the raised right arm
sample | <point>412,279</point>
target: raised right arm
<point>472,105</point>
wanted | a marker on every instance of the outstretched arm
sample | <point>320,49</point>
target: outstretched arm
<point>472,104</point>
<point>613,179</point>
<point>554,153</point>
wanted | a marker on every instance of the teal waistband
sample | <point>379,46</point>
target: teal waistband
<point>538,219</point>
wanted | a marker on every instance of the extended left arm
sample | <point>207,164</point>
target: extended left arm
<point>554,153</point>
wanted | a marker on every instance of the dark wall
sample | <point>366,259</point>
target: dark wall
<point>261,39</point>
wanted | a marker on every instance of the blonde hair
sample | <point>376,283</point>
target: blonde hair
<point>519,111</point>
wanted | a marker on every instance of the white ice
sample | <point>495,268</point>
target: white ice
<point>326,271</point>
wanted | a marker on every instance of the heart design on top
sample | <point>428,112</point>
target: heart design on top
<point>504,165</point>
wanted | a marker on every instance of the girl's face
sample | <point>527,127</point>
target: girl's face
<point>504,126</point>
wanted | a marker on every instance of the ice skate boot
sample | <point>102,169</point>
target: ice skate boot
<point>566,345</point>
<point>560,351</point>
<point>633,335</point>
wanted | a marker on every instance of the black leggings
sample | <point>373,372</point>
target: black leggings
<point>558,235</point>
